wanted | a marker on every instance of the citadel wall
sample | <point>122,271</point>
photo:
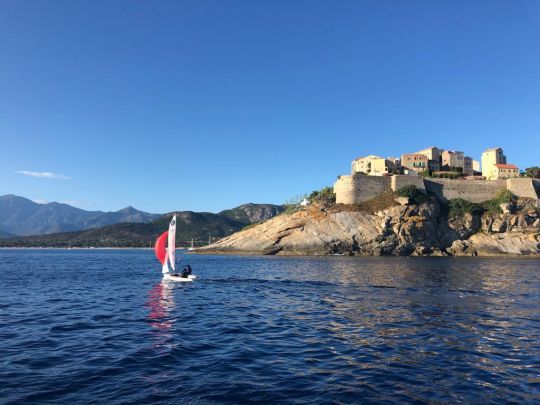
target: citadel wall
<point>528,188</point>
<point>471,190</point>
<point>357,188</point>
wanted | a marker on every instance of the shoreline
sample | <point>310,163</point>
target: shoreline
<point>535,256</point>
<point>255,253</point>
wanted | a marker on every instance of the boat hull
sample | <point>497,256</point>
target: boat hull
<point>178,279</point>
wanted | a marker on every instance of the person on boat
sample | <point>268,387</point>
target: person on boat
<point>186,272</point>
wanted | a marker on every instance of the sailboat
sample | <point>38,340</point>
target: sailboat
<point>166,256</point>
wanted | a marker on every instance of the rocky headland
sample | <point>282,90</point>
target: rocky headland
<point>392,226</point>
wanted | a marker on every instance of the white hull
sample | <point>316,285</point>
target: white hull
<point>178,279</point>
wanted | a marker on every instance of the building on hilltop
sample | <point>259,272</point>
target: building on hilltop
<point>373,165</point>
<point>494,165</point>
<point>434,157</point>
<point>504,171</point>
<point>491,157</point>
<point>414,161</point>
<point>452,159</point>
<point>363,164</point>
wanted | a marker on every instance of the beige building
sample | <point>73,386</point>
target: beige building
<point>414,161</point>
<point>373,165</point>
<point>490,158</point>
<point>363,164</point>
<point>434,157</point>
<point>504,171</point>
<point>452,159</point>
<point>476,166</point>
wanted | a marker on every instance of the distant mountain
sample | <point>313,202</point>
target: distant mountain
<point>253,213</point>
<point>199,226</point>
<point>21,216</point>
<point>4,235</point>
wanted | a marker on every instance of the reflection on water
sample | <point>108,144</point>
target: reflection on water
<point>161,304</point>
<point>268,329</point>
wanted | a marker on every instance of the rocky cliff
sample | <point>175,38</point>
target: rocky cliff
<point>402,229</point>
<point>252,213</point>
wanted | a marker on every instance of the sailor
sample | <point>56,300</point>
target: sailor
<point>188,268</point>
<point>185,273</point>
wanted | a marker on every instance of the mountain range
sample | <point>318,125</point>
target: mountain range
<point>199,226</point>
<point>20,216</point>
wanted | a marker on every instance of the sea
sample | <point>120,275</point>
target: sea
<point>100,326</point>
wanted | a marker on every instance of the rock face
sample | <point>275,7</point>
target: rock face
<point>404,230</point>
<point>252,213</point>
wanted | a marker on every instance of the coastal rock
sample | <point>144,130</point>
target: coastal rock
<point>403,230</point>
<point>402,200</point>
<point>512,244</point>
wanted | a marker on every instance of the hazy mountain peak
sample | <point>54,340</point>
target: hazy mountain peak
<point>21,216</point>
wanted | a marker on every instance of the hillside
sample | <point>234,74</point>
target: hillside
<point>253,213</point>
<point>391,227</point>
<point>21,216</point>
<point>199,226</point>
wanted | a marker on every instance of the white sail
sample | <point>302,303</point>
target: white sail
<point>171,250</point>
<point>165,268</point>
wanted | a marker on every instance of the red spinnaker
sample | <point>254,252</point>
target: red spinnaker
<point>160,247</point>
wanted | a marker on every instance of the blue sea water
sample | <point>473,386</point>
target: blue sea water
<point>99,326</point>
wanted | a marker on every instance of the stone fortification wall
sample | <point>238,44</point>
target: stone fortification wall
<point>396,182</point>
<point>471,190</point>
<point>345,190</point>
<point>526,188</point>
<point>356,189</point>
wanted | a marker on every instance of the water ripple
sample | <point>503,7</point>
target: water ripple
<point>267,329</point>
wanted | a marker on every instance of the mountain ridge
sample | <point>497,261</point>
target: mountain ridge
<point>21,216</point>
<point>199,226</point>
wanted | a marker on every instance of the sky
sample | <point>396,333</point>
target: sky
<point>205,105</point>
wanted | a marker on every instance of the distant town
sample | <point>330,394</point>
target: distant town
<point>447,174</point>
<point>437,162</point>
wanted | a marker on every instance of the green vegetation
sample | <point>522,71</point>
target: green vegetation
<point>446,174</point>
<point>291,208</point>
<point>457,207</point>
<point>199,226</point>
<point>414,195</point>
<point>325,197</point>
<point>533,172</point>
<point>503,197</point>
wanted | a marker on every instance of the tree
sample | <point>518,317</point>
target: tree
<point>533,172</point>
<point>324,197</point>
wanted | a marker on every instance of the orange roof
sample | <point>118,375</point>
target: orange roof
<point>501,166</point>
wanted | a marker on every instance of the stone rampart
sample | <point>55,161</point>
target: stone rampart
<point>396,182</point>
<point>471,190</point>
<point>357,188</point>
<point>344,189</point>
<point>526,188</point>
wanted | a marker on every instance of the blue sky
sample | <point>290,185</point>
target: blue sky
<point>205,105</point>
